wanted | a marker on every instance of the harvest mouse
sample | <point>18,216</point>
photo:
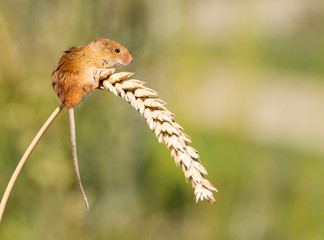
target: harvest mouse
<point>78,72</point>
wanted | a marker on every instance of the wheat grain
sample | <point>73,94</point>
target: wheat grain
<point>161,121</point>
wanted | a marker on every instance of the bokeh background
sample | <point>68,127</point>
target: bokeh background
<point>244,78</point>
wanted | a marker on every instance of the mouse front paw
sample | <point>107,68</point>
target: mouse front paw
<point>101,74</point>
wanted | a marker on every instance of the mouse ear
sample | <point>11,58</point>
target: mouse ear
<point>101,42</point>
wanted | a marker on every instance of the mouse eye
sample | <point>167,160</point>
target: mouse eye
<point>117,50</point>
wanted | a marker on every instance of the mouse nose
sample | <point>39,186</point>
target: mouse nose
<point>127,59</point>
<point>130,60</point>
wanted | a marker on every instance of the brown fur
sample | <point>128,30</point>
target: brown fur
<point>75,72</point>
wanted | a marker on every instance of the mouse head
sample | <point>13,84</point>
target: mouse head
<point>114,54</point>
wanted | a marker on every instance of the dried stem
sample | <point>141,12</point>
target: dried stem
<point>160,120</point>
<point>24,159</point>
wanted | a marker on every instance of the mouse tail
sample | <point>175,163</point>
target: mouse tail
<point>75,157</point>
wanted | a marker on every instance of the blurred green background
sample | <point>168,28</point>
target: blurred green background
<point>244,78</point>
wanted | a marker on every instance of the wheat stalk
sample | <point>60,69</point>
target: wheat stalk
<point>160,120</point>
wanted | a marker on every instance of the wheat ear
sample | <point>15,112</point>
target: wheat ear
<point>161,121</point>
